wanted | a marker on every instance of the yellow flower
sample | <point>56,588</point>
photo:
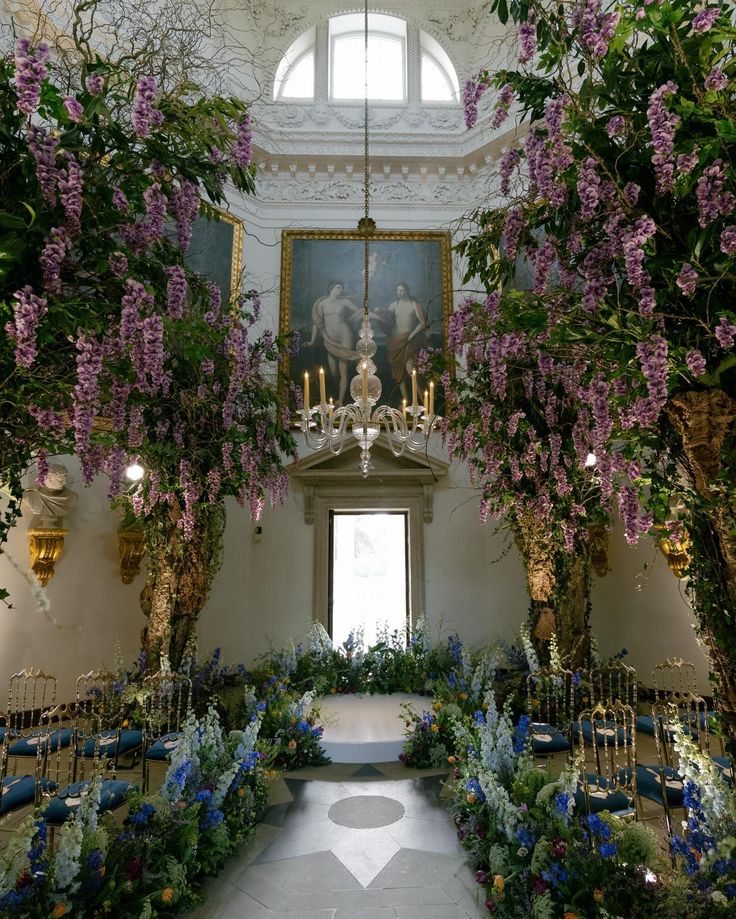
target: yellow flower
<point>435,728</point>
<point>126,723</point>
<point>463,696</point>
<point>293,720</point>
<point>498,882</point>
<point>167,894</point>
<point>598,895</point>
<point>471,798</point>
<point>437,706</point>
<point>241,792</point>
<point>59,910</point>
<point>485,706</point>
<point>334,689</point>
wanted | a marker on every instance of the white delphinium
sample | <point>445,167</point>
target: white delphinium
<point>419,636</point>
<point>467,664</point>
<point>119,663</point>
<point>485,671</point>
<point>595,654</point>
<point>242,752</point>
<point>298,709</point>
<point>184,759</point>
<point>67,863</point>
<point>319,641</point>
<point>164,663</point>
<point>719,805</point>
<point>503,810</point>
<point>211,738</point>
<point>497,740</point>
<point>14,859</point>
<point>529,652</point>
<point>555,661</point>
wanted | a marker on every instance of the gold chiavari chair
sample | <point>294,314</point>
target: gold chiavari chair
<point>611,682</point>
<point>167,700</point>
<point>31,693</point>
<point>671,675</point>
<point>660,782</point>
<point>68,778</point>
<point>551,702</point>
<point>100,696</point>
<point>608,779</point>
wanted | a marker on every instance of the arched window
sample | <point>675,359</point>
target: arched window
<point>405,64</point>
<point>295,74</point>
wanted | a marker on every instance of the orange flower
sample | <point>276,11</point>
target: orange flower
<point>451,760</point>
<point>59,910</point>
<point>126,723</point>
<point>570,915</point>
<point>598,895</point>
<point>241,792</point>
<point>498,882</point>
<point>102,870</point>
<point>471,798</point>
<point>292,745</point>
<point>167,894</point>
<point>334,689</point>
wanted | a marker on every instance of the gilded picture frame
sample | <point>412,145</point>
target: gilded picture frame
<point>216,249</point>
<point>313,262</point>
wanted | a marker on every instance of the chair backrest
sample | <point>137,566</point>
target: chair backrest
<point>96,694</point>
<point>674,675</point>
<point>552,697</point>
<point>167,699</point>
<point>609,762</point>
<point>614,682</point>
<point>30,693</point>
<point>686,709</point>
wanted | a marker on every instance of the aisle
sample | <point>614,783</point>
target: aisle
<point>350,842</point>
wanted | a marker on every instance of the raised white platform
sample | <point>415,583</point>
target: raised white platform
<point>366,729</point>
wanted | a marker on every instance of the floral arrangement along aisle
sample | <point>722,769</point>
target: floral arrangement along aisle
<point>115,350</point>
<point>212,793</point>
<point>619,195</point>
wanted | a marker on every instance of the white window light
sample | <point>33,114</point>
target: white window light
<point>386,58</point>
<point>439,79</point>
<point>295,74</point>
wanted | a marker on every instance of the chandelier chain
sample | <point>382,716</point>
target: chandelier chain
<point>366,172</point>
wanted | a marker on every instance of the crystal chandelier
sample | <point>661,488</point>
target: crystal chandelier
<point>324,424</point>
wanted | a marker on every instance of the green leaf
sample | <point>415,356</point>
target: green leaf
<point>11,221</point>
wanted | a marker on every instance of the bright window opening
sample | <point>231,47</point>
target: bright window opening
<point>368,574</point>
<point>295,73</point>
<point>386,58</point>
<point>439,79</point>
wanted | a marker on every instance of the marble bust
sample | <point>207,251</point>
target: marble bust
<point>51,502</point>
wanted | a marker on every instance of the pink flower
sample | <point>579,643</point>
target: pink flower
<point>73,108</point>
<point>725,333</point>
<point>687,279</point>
<point>704,20</point>
<point>728,240</point>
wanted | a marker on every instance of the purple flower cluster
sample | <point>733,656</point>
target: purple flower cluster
<point>86,391</point>
<point>242,148</point>
<point>95,84</point>
<point>73,109</point>
<point>70,190</point>
<point>151,370</point>
<point>144,115</point>
<point>632,192</point>
<point>51,258</point>
<point>596,28</point>
<point>28,311</point>
<point>713,201</point>
<point>509,161</point>
<point>503,104</point>
<point>703,21</point>
<point>48,420</point>
<point>541,162</point>
<point>634,524</point>
<point>43,149</point>
<point>589,186</point>
<point>615,126</point>
<point>176,291</point>
<point>633,240</point>
<point>687,279</point>
<point>156,202</point>
<point>716,80</point>
<point>134,302</point>
<point>543,259</point>
<point>686,162</point>
<point>725,332</point>
<point>118,264</point>
<point>652,356</point>
<point>472,91</point>
<point>184,207</point>
<point>515,225</point>
<point>695,362</point>
<point>662,126</point>
<point>30,72</point>
<point>728,240</point>
<point>527,41</point>
<point>119,200</point>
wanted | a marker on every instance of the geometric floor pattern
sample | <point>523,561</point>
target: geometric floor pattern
<point>349,842</point>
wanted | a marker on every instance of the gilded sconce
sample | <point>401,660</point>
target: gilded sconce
<point>131,548</point>
<point>49,503</point>
<point>674,543</point>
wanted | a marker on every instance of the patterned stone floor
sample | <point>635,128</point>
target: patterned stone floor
<point>349,842</point>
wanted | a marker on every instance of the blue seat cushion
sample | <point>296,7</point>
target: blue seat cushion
<point>649,785</point>
<point>2,734</point>
<point>725,766</point>
<point>547,739</point>
<point>129,741</point>
<point>20,790</point>
<point>163,747</point>
<point>615,801</point>
<point>28,745</point>
<point>603,733</point>
<point>645,724</point>
<point>112,794</point>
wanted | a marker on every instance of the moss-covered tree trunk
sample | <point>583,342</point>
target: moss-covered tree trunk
<point>178,580</point>
<point>559,587</point>
<point>704,421</point>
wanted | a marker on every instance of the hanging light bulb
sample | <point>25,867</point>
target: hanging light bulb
<point>324,425</point>
<point>135,471</point>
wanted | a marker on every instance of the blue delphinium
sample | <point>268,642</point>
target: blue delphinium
<point>521,734</point>
<point>525,837</point>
